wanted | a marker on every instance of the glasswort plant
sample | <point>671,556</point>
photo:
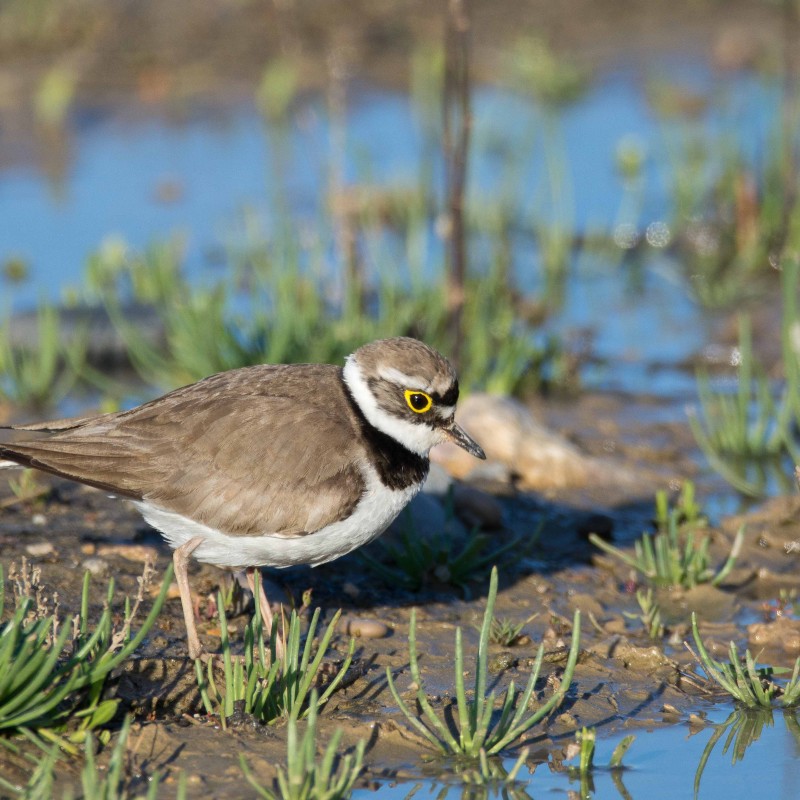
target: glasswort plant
<point>752,686</point>
<point>52,674</point>
<point>478,726</point>
<point>304,778</point>
<point>271,687</point>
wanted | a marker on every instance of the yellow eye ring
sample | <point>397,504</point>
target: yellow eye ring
<point>417,401</point>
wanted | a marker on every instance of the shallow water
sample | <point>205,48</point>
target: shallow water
<point>141,179</point>
<point>663,762</point>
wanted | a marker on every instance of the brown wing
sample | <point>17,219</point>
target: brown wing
<point>258,450</point>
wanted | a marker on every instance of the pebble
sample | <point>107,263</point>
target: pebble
<point>95,566</point>
<point>39,549</point>
<point>173,592</point>
<point>364,628</point>
<point>350,589</point>
<point>39,519</point>
<point>133,552</point>
<point>501,662</point>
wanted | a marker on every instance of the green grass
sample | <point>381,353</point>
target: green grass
<point>268,686</point>
<point>677,555</point>
<point>650,614</point>
<point>585,740</point>
<point>686,507</point>
<point>305,777</point>
<point>40,374</point>
<point>750,434</point>
<point>505,632</point>
<point>267,308</point>
<point>53,673</point>
<point>476,724</point>
<point>110,782</point>
<point>744,681</point>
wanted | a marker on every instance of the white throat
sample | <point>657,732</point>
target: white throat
<point>418,438</point>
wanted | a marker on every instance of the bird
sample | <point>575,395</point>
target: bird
<point>272,465</point>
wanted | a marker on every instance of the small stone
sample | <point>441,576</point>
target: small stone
<point>40,549</point>
<point>501,662</point>
<point>88,548</point>
<point>351,590</point>
<point>95,566</point>
<point>173,592</point>
<point>133,552</point>
<point>364,628</point>
<point>39,519</point>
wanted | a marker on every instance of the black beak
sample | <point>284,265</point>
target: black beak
<point>458,436</point>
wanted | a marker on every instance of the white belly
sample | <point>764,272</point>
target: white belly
<point>373,514</point>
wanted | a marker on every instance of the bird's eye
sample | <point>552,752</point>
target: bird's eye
<point>418,402</point>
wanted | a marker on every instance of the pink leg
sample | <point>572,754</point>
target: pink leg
<point>266,611</point>
<point>180,558</point>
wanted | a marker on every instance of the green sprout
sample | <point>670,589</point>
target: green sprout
<point>110,783</point>
<point>477,727</point>
<point>270,686</point>
<point>751,685</point>
<point>650,615</point>
<point>54,674</point>
<point>304,778</point>
<point>506,632</point>
<point>42,374</point>
<point>586,740</point>
<point>674,557</point>
<point>686,508</point>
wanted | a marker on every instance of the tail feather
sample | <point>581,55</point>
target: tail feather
<point>77,463</point>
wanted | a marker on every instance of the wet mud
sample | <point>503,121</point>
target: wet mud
<point>624,680</point>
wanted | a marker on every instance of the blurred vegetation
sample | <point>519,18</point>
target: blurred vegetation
<point>376,261</point>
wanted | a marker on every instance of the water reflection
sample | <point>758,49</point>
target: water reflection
<point>741,730</point>
<point>736,752</point>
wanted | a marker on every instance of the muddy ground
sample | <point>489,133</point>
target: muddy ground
<point>623,681</point>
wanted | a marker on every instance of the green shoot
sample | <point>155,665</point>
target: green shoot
<point>650,615</point>
<point>674,557</point>
<point>477,728</point>
<point>747,683</point>
<point>304,778</point>
<point>271,687</point>
<point>54,674</point>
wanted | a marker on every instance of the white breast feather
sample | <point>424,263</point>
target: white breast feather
<point>373,514</point>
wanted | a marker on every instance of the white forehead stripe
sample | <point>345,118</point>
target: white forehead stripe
<point>394,375</point>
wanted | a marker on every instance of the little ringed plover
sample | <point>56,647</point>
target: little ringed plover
<point>271,465</point>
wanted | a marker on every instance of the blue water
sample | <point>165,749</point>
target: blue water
<point>223,162</point>
<point>661,764</point>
